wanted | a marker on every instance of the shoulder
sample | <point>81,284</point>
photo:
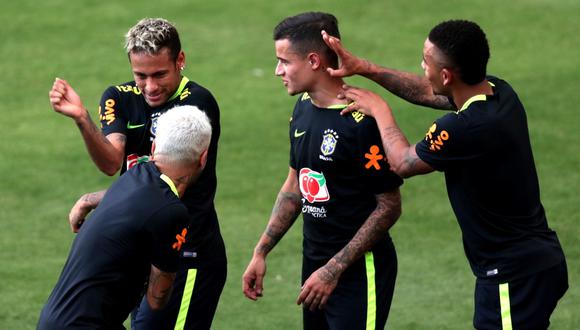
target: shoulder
<point>195,94</point>
<point>124,89</point>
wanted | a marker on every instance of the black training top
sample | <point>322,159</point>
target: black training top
<point>123,109</point>
<point>135,226</point>
<point>341,166</point>
<point>484,150</point>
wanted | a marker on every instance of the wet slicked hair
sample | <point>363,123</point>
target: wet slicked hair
<point>465,47</point>
<point>303,31</point>
<point>151,35</point>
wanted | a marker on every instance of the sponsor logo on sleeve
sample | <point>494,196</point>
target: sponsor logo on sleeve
<point>180,239</point>
<point>108,115</point>
<point>436,141</point>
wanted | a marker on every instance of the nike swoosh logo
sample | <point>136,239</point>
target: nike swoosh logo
<point>298,134</point>
<point>129,126</point>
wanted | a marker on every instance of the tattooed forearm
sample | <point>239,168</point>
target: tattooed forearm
<point>93,198</point>
<point>159,289</point>
<point>374,228</point>
<point>408,86</point>
<point>285,211</point>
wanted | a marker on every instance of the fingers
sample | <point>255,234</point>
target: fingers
<point>311,299</point>
<point>252,286</point>
<point>351,107</point>
<point>57,92</point>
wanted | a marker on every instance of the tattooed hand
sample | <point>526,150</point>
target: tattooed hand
<point>318,287</point>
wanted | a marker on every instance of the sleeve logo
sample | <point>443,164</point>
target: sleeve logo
<point>109,114</point>
<point>436,142</point>
<point>180,240</point>
<point>313,186</point>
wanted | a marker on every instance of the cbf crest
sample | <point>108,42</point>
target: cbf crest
<point>154,118</point>
<point>329,141</point>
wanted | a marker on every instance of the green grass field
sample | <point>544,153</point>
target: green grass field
<point>535,45</point>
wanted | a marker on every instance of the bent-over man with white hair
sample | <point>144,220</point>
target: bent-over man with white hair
<point>136,232</point>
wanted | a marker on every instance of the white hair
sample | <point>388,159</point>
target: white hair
<point>182,134</point>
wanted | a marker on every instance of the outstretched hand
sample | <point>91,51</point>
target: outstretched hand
<point>349,63</point>
<point>363,100</point>
<point>65,100</point>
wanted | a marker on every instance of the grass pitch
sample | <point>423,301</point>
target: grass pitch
<point>229,48</point>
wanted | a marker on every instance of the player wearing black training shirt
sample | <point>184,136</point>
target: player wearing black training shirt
<point>341,167</point>
<point>503,206</point>
<point>485,152</point>
<point>135,226</point>
<point>128,115</point>
<point>140,224</point>
<point>339,180</point>
<point>124,110</point>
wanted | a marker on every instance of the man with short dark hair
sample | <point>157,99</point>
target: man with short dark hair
<point>128,115</point>
<point>134,235</point>
<point>339,179</point>
<point>484,150</point>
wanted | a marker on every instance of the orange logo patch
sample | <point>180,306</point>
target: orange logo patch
<point>180,240</point>
<point>436,142</point>
<point>373,158</point>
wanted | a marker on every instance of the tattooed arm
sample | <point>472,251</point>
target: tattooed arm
<point>317,289</point>
<point>106,152</point>
<point>285,211</point>
<point>408,86</point>
<point>82,207</point>
<point>159,288</point>
<point>401,155</point>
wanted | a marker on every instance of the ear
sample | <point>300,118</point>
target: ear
<point>180,59</point>
<point>314,60</point>
<point>152,149</point>
<point>446,76</point>
<point>203,159</point>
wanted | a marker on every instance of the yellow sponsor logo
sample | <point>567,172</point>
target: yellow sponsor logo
<point>358,116</point>
<point>128,89</point>
<point>184,94</point>
<point>436,141</point>
<point>109,113</point>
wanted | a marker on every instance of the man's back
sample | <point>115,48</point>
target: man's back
<point>103,279</point>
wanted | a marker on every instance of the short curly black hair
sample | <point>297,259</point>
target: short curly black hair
<point>303,31</point>
<point>465,46</point>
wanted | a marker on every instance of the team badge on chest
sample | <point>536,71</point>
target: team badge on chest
<point>329,141</point>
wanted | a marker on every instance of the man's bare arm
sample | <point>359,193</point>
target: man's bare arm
<point>408,86</point>
<point>106,152</point>
<point>83,207</point>
<point>319,286</point>
<point>160,287</point>
<point>286,209</point>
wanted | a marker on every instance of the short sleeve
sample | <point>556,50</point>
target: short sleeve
<point>372,161</point>
<point>447,143</point>
<point>111,113</point>
<point>168,229</point>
